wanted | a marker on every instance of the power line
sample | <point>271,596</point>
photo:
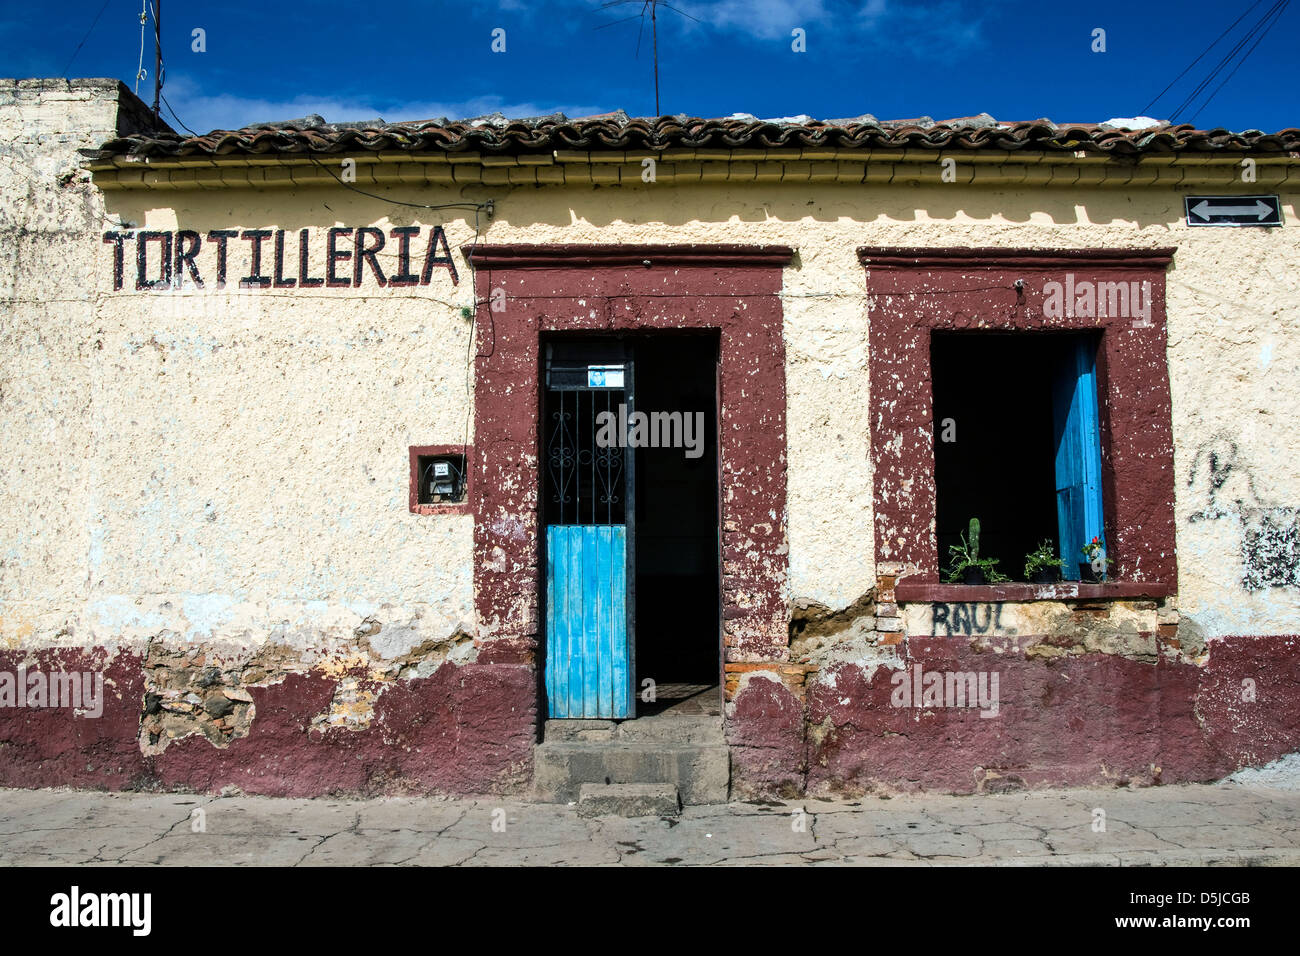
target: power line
<point>1231,54</point>
<point>179,121</point>
<point>1242,60</point>
<point>1199,58</point>
<point>140,72</point>
<point>156,8</point>
<point>398,202</point>
<point>93,24</point>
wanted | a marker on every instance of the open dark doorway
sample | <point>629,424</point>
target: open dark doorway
<point>630,551</point>
<point>678,643</point>
<point>998,433</point>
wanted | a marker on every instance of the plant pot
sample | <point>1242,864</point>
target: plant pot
<point>1087,575</point>
<point>974,576</point>
<point>1046,576</point>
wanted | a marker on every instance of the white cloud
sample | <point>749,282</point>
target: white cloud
<point>880,22</point>
<point>763,18</point>
<point>203,112</point>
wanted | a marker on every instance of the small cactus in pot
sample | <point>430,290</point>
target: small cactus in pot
<point>967,566</point>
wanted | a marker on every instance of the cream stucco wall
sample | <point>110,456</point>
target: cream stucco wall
<point>49,219</point>
<point>233,466</point>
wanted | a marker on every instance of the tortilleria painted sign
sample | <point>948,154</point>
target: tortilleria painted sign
<point>166,260</point>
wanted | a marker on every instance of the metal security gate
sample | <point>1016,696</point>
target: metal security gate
<point>588,513</point>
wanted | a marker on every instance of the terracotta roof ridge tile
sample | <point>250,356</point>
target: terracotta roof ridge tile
<point>496,133</point>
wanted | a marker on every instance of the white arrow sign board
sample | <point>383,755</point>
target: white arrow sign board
<point>1233,210</point>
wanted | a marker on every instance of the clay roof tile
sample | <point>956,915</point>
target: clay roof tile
<point>495,133</point>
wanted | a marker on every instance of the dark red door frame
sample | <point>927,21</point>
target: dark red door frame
<point>524,291</point>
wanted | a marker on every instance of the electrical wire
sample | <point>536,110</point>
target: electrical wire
<point>157,39</point>
<point>1231,54</point>
<point>1240,62</point>
<point>140,71</point>
<point>93,24</point>
<point>398,202</point>
<point>161,78</point>
<point>1199,58</point>
<point>178,120</point>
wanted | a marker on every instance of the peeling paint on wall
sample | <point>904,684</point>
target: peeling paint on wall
<point>202,480</point>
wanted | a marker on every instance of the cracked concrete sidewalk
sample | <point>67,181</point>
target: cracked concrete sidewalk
<point>1226,824</point>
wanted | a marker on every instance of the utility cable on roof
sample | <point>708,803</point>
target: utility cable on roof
<point>1199,58</point>
<point>1241,61</point>
<point>158,60</point>
<point>1200,87</point>
<point>140,72</point>
<point>94,23</point>
<point>178,120</point>
<point>415,205</point>
<point>1231,54</point>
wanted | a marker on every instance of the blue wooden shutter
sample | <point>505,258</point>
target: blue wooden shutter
<point>1078,454</point>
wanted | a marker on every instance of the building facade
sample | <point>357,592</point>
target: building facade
<point>352,457</point>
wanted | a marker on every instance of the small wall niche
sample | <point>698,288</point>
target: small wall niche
<point>440,479</point>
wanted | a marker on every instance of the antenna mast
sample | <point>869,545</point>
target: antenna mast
<point>653,7</point>
<point>157,56</point>
<point>654,30</point>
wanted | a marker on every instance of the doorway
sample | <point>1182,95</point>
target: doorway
<point>631,541</point>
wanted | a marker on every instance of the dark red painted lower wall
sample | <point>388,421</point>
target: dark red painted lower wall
<point>465,729</point>
<point>51,748</point>
<point>1068,721</point>
<point>1093,719</point>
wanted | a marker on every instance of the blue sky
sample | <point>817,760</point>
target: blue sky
<point>400,60</point>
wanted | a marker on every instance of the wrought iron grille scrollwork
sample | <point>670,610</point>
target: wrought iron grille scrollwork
<point>560,458</point>
<point>585,482</point>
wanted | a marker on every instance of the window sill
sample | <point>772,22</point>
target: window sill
<point>450,508</point>
<point>993,593</point>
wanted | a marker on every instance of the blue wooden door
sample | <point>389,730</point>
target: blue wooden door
<point>587,666</point>
<point>1078,453</point>
<point>588,514</point>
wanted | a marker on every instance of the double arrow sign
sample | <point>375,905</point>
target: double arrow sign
<point>1233,211</point>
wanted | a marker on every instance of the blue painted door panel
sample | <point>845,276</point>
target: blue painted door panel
<point>587,666</point>
<point>1077,423</point>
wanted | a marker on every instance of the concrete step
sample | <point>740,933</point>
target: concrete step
<point>667,728</point>
<point>578,730</point>
<point>700,772</point>
<point>628,800</point>
<point>673,728</point>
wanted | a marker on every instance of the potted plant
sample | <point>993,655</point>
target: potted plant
<point>1042,566</point>
<point>967,565</point>
<point>1093,569</point>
